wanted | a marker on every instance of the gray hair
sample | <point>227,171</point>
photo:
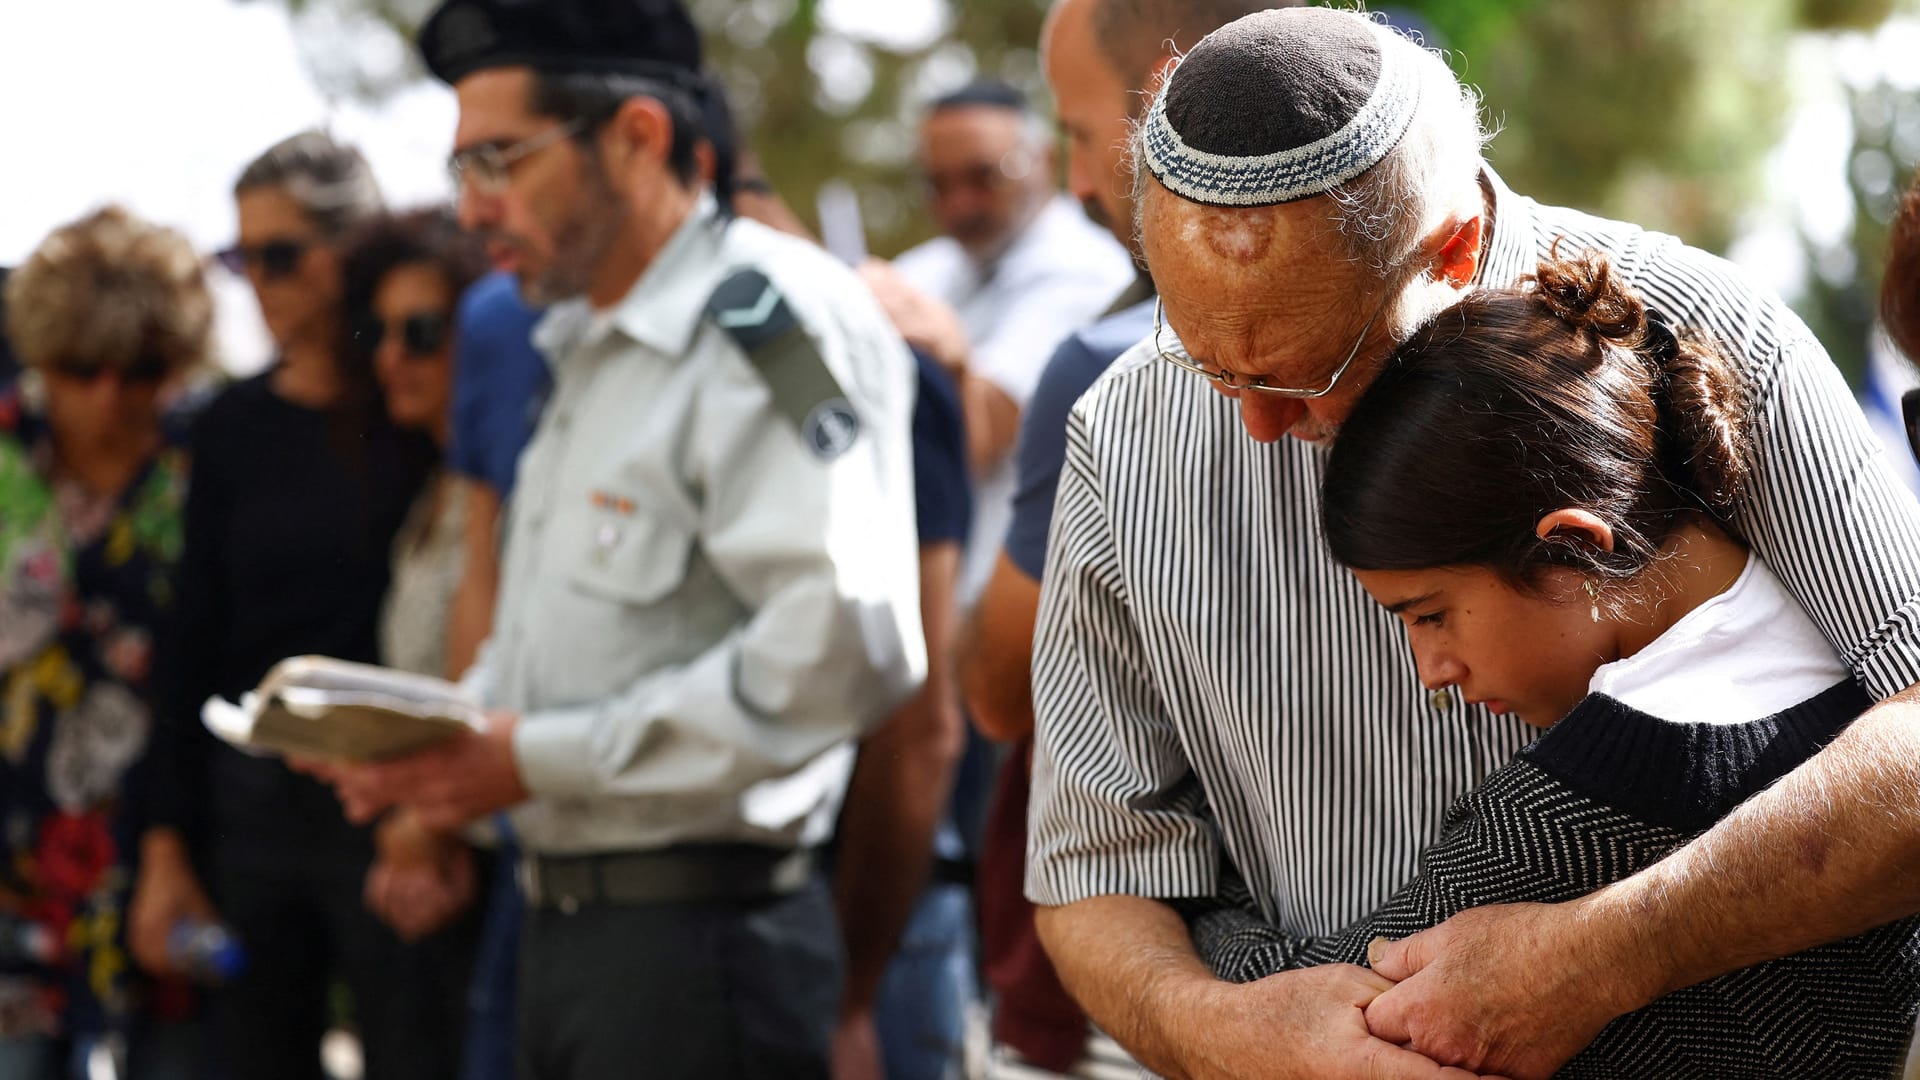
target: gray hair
<point>330,180</point>
<point>1383,214</point>
<point>1380,217</point>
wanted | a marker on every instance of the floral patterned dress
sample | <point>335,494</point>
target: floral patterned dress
<point>84,584</point>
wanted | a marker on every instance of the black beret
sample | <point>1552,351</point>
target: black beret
<point>651,38</point>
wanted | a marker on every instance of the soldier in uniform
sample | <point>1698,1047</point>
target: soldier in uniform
<point>709,583</point>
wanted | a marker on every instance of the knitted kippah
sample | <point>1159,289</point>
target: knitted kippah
<point>1280,105</point>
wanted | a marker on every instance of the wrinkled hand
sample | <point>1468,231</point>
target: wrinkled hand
<point>1300,1025</point>
<point>1518,988</point>
<point>420,880</point>
<point>856,1048</point>
<point>446,785</point>
<point>924,321</point>
<point>166,891</point>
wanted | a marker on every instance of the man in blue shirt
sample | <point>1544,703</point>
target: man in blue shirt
<point>500,381</point>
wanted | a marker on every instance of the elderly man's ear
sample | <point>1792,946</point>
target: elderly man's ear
<point>1458,256</point>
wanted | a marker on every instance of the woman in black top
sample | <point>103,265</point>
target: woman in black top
<point>1540,485</point>
<point>298,486</point>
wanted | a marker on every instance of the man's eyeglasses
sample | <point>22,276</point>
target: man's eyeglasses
<point>489,166</point>
<point>1176,354</point>
<point>144,371</point>
<point>275,258</point>
<point>422,334</point>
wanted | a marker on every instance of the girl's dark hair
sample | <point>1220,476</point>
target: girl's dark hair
<point>1517,402</point>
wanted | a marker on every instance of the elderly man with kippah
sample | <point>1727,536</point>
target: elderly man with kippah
<point>709,582</point>
<point>1210,685</point>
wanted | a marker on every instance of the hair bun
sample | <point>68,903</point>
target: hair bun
<point>1584,292</point>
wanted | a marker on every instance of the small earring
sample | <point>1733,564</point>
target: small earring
<point>1593,599</point>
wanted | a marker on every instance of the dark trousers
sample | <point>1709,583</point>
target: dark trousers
<point>302,921</point>
<point>713,991</point>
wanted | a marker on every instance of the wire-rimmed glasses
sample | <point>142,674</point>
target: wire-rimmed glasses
<point>489,166</point>
<point>1178,357</point>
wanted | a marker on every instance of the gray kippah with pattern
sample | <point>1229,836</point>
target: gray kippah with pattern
<point>1280,105</point>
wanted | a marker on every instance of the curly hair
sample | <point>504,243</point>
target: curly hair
<point>383,244</point>
<point>111,290</point>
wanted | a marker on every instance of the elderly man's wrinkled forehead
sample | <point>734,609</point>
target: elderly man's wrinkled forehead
<point>1176,231</point>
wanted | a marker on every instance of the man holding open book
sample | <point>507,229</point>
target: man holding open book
<point>709,583</point>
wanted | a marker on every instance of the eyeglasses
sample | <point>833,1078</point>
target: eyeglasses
<point>422,334</point>
<point>275,258</point>
<point>1177,356</point>
<point>144,371</point>
<point>489,166</point>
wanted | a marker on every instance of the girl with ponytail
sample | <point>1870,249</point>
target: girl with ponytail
<point>1539,485</point>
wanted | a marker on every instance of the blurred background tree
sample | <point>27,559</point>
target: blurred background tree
<point>1663,112</point>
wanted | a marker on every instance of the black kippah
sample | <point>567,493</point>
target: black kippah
<point>1280,105</point>
<point>651,38</point>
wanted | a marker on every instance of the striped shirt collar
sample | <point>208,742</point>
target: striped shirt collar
<point>1510,251</point>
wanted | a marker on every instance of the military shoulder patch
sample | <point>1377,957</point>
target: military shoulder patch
<point>750,309</point>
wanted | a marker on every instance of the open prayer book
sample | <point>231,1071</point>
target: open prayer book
<point>316,706</point>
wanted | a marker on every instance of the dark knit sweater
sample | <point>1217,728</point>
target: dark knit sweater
<point>1607,792</point>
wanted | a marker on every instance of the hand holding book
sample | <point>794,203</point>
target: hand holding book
<point>318,707</point>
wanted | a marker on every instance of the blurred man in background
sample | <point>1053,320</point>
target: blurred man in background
<point>1018,265</point>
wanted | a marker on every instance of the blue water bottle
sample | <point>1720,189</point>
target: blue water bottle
<point>205,952</point>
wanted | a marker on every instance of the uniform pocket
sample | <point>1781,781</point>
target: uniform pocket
<point>633,558</point>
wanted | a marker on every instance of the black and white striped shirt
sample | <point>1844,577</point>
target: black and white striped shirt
<point>1207,680</point>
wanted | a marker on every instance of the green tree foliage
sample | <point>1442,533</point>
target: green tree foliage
<point>1844,287</point>
<point>1659,111</point>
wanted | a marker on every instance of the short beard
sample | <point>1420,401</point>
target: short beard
<point>582,241</point>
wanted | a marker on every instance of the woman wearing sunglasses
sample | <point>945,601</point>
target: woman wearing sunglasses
<point>1540,486</point>
<point>299,485</point>
<point>404,277</point>
<point>106,314</point>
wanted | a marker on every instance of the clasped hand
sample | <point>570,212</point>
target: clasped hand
<point>446,786</point>
<point>1514,989</point>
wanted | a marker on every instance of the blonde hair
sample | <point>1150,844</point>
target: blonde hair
<point>107,291</point>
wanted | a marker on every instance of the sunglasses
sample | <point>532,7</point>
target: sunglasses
<point>275,258</point>
<point>422,334</point>
<point>145,371</point>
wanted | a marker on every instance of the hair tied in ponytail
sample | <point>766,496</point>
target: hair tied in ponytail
<point>1663,342</point>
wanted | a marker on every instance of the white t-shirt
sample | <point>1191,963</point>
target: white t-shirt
<point>1745,654</point>
<point>1057,276</point>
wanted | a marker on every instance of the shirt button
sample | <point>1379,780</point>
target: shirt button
<point>569,905</point>
<point>1441,699</point>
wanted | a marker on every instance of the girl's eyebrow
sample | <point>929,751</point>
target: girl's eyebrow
<point>1411,601</point>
